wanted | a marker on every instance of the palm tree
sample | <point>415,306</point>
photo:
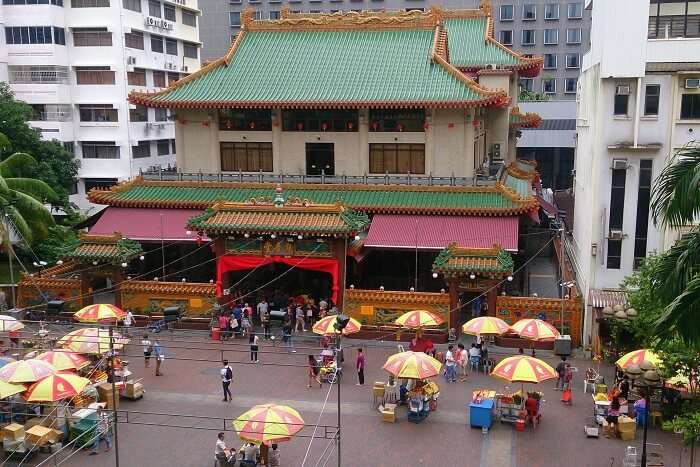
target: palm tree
<point>675,203</point>
<point>22,199</point>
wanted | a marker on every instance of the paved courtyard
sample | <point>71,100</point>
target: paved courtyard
<point>192,387</point>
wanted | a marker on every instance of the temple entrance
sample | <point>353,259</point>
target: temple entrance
<point>320,158</point>
<point>277,283</point>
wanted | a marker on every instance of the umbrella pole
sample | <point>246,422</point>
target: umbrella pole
<point>114,395</point>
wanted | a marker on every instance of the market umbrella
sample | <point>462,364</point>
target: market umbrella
<point>25,371</point>
<point>417,319</point>
<point>636,357</point>
<point>485,326</point>
<point>10,389</point>
<point>10,323</point>
<point>324,326</point>
<point>523,369</point>
<point>535,329</point>
<point>268,423</point>
<point>56,387</point>
<point>62,359</point>
<point>99,312</point>
<point>90,341</point>
<point>5,360</point>
<point>412,365</point>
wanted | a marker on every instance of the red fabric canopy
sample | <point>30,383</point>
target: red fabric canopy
<point>147,224</point>
<point>229,263</point>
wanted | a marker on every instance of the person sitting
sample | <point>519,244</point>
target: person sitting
<point>474,357</point>
<point>532,408</point>
<point>250,455</point>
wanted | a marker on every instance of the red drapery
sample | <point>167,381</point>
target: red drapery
<point>237,263</point>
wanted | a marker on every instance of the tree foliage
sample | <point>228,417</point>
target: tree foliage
<point>60,240</point>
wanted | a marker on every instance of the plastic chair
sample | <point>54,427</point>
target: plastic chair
<point>488,365</point>
<point>590,380</point>
<point>378,391</point>
<point>474,363</point>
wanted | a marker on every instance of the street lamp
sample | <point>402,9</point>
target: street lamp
<point>646,379</point>
<point>341,321</point>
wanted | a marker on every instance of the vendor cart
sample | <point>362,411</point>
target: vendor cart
<point>481,409</point>
<point>510,407</point>
<point>422,399</point>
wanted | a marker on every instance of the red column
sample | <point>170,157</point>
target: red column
<point>117,278</point>
<point>491,300</point>
<point>340,253</point>
<point>454,304</point>
<point>219,251</point>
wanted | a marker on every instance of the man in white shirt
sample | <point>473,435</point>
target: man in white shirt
<point>128,321</point>
<point>262,310</point>
<point>450,365</point>
<point>226,377</point>
<point>220,451</point>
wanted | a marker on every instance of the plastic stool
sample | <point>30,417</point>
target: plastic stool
<point>653,416</point>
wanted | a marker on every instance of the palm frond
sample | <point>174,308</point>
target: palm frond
<point>678,266</point>
<point>4,143</point>
<point>35,215</point>
<point>676,195</point>
<point>17,163</point>
<point>37,189</point>
<point>682,315</point>
<point>18,224</point>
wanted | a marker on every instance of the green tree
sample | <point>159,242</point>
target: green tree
<point>53,163</point>
<point>60,239</point>
<point>688,424</point>
<point>675,204</point>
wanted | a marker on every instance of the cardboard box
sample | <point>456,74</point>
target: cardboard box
<point>133,389</point>
<point>39,435</point>
<point>13,431</point>
<point>32,422</point>
<point>12,445</point>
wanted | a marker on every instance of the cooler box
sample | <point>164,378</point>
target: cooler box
<point>216,334</point>
<point>481,414</point>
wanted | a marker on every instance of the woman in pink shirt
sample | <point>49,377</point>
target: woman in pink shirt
<point>360,365</point>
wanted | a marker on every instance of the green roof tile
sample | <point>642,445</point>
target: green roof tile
<point>468,45</point>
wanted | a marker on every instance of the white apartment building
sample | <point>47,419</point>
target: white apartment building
<point>638,102</point>
<point>75,61</point>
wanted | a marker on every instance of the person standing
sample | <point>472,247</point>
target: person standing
<point>226,378</point>
<point>312,372</point>
<point>159,357</point>
<point>323,308</point>
<point>220,451</point>
<point>147,350</point>
<point>223,326</point>
<point>561,369</point>
<point>253,341</point>
<point>238,314</point>
<point>265,318</point>
<point>461,359</point>
<point>102,432</point>
<point>300,319</point>
<point>287,332</point>
<point>309,315</point>
<point>450,365</point>
<point>274,457</point>
<point>360,365</point>
<point>262,311</point>
<point>128,322</point>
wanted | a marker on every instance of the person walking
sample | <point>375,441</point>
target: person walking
<point>312,372</point>
<point>128,322</point>
<point>262,309</point>
<point>238,314</point>
<point>450,365</point>
<point>223,326</point>
<point>253,341</point>
<point>309,315</point>
<point>300,319</point>
<point>323,308</point>
<point>274,457</point>
<point>102,432</point>
<point>561,369</point>
<point>360,365</point>
<point>158,351</point>
<point>287,332</point>
<point>226,377</point>
<point>462,361</point>
<point>147,350</point>
<point>220,451</point>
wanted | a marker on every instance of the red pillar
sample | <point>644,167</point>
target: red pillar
<point>340,254</point>
<point>219,251</point>
<point>454,305</point>
<point>117,279</point>
<point>491,300</point>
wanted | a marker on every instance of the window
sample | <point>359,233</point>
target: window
<point>643,196</point>
<point>92,37</point>
<point>622,95</point>
<point>139,114</point>
<point>32,2</point>
<point>94,75</point>
<point>570,85</point>
<point>169,12</point>
<point>527,84</point>
<point>99,150</point>
<point>171,46</point>
<point>397,120</point>
<point>156,44</point>
<point>528,37</point>
<point>172,77</point>
<point>319,120</point>
<point>143,149</point>
<point>59,36</point>
<point>163,147</point>
<point>172,145</point>
<point>159,79</point>
<point>505,37</point>
<point>575,11</point>
<point>133,40</point>
<point>690,106</point>
<point>529,12</point>
<point>154,9</point>
<point>617,198</point>
<point>29,35</point>
<point>549,85</point>
<point>246,157</point>
<point>551,36</point>
<point>36,74</point>
<point>398,158</point>
<point>573,36</point>
<point>161,115</point>
<point>550,61</point>
<point>98,113</point>
<point>189,18</point>
<point>101,183</point>
<point>651,99</point>
<point>506,13</point>
<point>614,254</point>
<point>189,50</point>
<point>551,11</point>
<point>573,61</point>
<point>136,77</point>
<point>257,15</point>
<point>274,14</point>
<point>89,3</point>
<point>234,18</point>
<point>133,5</point>
<point>245,120</point>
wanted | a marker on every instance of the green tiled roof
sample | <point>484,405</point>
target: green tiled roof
<point>370,199</point>
<point>105,251</point>
<point>468,45</point>
<point>454,261</point>
<point>521,186</point>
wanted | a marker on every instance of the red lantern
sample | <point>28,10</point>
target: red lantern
<point>351,125</point>
<point>300,126</point>
<point>426,125</point>
<point>228,124</point>
<point>475,122</point>
<point>200,236</point>
<point>450,125</point>
<point>375,126</point>
<point>182,121</point>
<point>399,127</point>
<point>251,125</point>
<point>324,126</point>
<point>205,124</point>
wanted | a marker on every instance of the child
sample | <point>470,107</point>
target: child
<point>568,376</point>
<point>253,341</point>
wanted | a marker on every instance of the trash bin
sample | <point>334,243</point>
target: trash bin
<point>216,334</point>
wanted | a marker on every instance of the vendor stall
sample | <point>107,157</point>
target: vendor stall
<point>422,399</point>
<point>481,408</point>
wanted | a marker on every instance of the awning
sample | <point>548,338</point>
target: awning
<point>437,232</point>
<point>600,298</point>
<point>147,224</point>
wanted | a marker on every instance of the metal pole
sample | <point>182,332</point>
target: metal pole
<point>114,395</point>
<point>647,400</point>
<point>162,247</point>
<point>561,275</point>
<point>337,383</point>
<point>10,254</point>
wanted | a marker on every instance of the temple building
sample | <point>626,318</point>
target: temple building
<point>366,158</point>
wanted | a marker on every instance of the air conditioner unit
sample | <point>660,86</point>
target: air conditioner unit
<point>131,60</point>
<point>619,164</point>
<point>615,235</point>
<point>129,68</point>
<point>692,83</point>
<point>184,68</point>
<point>622,90</point>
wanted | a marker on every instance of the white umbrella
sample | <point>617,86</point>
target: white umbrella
<point>10,323</point>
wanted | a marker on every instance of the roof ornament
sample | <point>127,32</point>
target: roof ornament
<point>279,197</point>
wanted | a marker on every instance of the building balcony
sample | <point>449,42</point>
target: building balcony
<point>676,49</point>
